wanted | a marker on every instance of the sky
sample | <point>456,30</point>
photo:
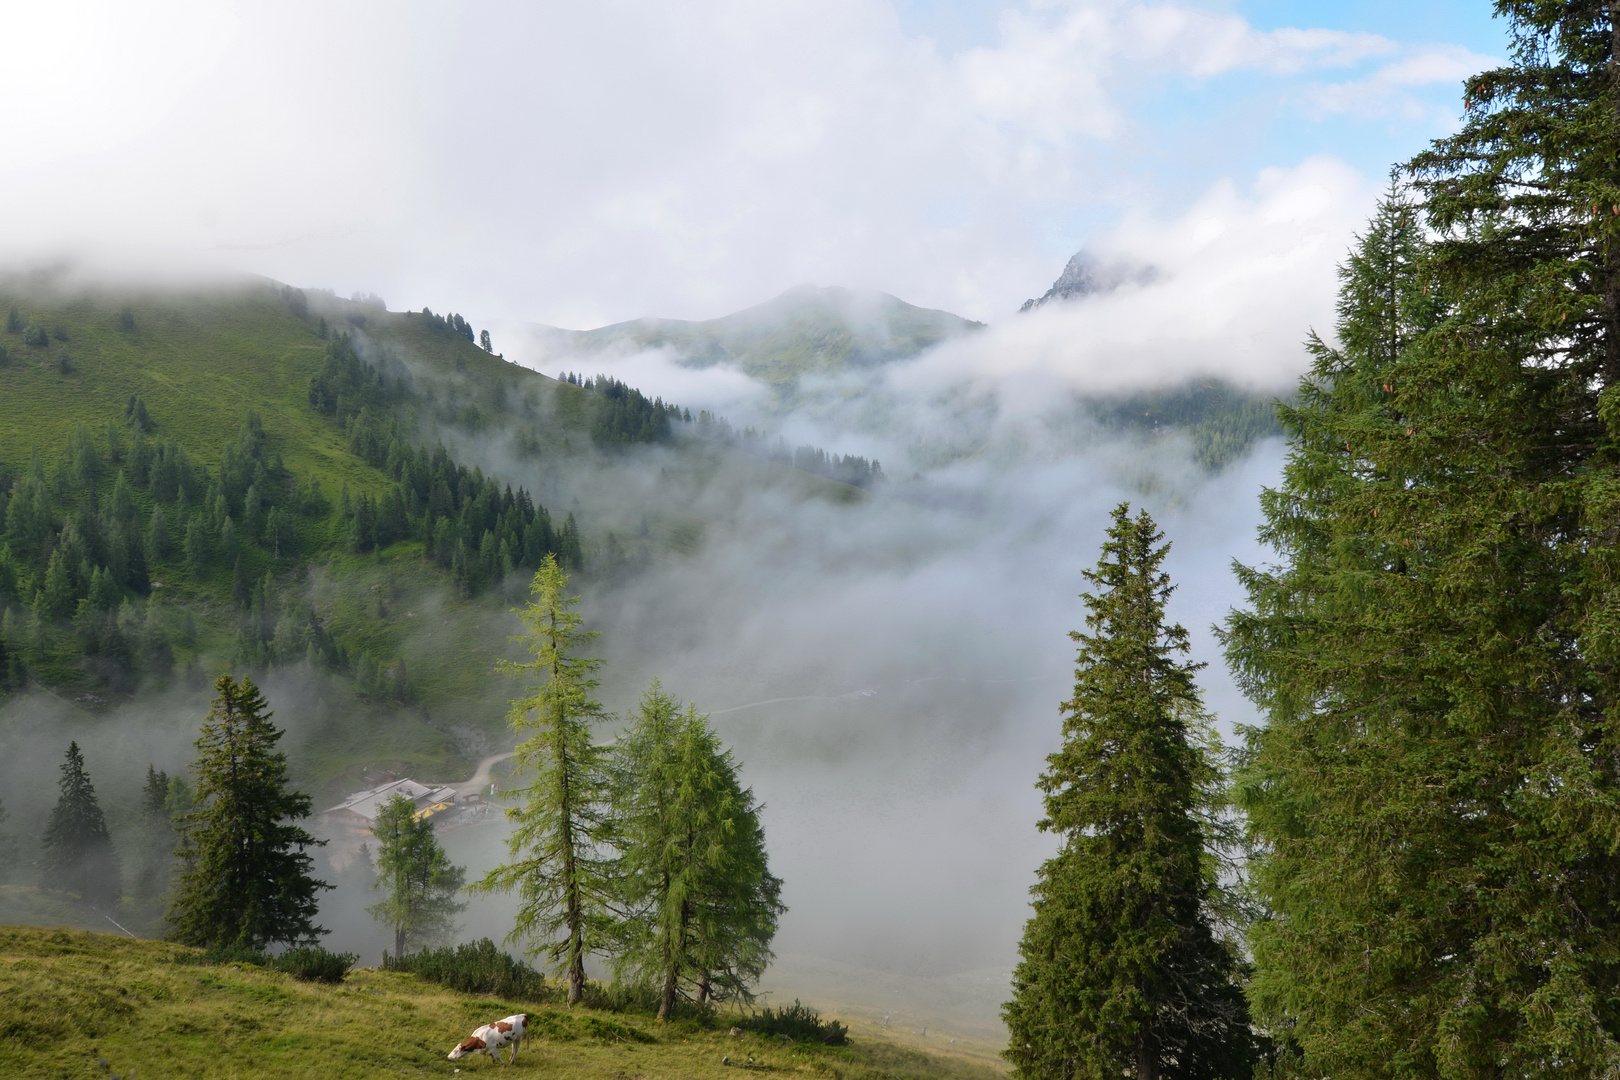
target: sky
<point>582,164</point>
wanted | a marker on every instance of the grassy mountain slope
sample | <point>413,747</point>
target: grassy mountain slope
<point>394,630</point>
<point>810,331</point>
<point>805,331</point>
<point>70,1000</point>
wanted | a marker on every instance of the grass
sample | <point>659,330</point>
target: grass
<point>70,999</point>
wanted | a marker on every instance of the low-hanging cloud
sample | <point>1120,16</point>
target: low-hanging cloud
<point>1241,276</point>
<point>1238,277</point>
<point>583,164</point>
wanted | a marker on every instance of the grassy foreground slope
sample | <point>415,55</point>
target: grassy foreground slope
<point>69,1000</point>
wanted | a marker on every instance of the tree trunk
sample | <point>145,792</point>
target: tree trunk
<point>666,1003</point>
<point>1611,261</point>
<point>576,983</point>
<point>703,989</point>
<point>1147,1062</point>
<point>399,941</point>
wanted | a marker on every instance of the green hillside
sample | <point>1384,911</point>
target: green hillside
<point>805,331</point>
<point>259,478</point>
<point>76,1004</point>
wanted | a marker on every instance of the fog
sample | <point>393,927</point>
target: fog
<point>887,670</point>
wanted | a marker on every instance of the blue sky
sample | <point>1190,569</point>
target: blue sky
<point>1188,131</point>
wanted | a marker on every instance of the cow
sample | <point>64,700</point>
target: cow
<point>492,1037</point>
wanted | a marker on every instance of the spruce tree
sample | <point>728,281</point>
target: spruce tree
<point>1434,790</point>
<point>77,854</point>
<point>158,836</point>
<point>700,903</point>
<point>245,875</point>
<point>560,866</point>
<point>8,847</point>
<point>420,884</point>
<point>1122,972</point>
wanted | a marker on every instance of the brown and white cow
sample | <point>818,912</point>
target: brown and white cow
<point>493,1037</point>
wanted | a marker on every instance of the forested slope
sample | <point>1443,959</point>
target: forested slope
<point>256,477</point>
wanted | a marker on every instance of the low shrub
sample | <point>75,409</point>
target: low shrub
<point>315,964</point>
<point>36,336</point>
<point>622,997</point>
<point>798,1022</point>
<point>310,963</point>
<point>231,954</point>
<point>478,968</point>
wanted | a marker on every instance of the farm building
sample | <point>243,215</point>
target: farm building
<point>361,808</point>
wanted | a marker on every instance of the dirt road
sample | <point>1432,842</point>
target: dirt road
<point>480,779</point>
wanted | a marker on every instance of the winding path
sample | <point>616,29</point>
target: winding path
<point>481,777</point>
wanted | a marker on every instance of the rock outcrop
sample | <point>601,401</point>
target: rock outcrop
<point>1086,276</point>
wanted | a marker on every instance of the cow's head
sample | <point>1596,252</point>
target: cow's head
<point>471,1046</point>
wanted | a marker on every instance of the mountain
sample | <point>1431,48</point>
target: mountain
<point>804,331</point>
<point>264,479</point>
<point>1085,276</point>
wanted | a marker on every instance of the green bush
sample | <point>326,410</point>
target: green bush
<point>36,336</point>
<point>310,964</point>
<point>798,1022</point>
<point>479,968</point>
<point>624,997</point>
<point>315,964</point>
<point>231,954</point>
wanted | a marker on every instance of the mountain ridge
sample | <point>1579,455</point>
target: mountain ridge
<point>805,330</point>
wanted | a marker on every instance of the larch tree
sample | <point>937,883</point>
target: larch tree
<point>1434,794</point>
<point>559,848</point>
<point>1122,971</point>
<point>77,854</point>
<point>700,905</point>
<point>245,871</point>
<point>418,881</point>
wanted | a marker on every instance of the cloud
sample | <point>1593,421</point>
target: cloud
<point>1056,66</point>
<point>1243,275</point>
<point>1389,91</point>
<point>582,164</point>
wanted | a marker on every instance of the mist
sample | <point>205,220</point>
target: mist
<point>888,671</point>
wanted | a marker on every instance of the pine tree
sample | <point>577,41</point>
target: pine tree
<point>1122,971</point>
<point>78,856</point>
<point>700,901</point>
<point>559,868</point>
<point>420,900</point>
<point>157,536</point>
<point>245,875</point>
<point>158,836</point>
<point>8,847</point>
<point>1434,792</point>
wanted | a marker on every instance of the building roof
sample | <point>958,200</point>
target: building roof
<point>367,804</point>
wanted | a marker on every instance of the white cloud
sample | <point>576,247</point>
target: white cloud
<point>1389,90</point>
<point>1243,275</point>
<point>581,164</point>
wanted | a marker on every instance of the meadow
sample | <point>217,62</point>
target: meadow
<point>76,1004</point>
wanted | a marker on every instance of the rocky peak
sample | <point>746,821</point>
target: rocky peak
<point>1085,276</point>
